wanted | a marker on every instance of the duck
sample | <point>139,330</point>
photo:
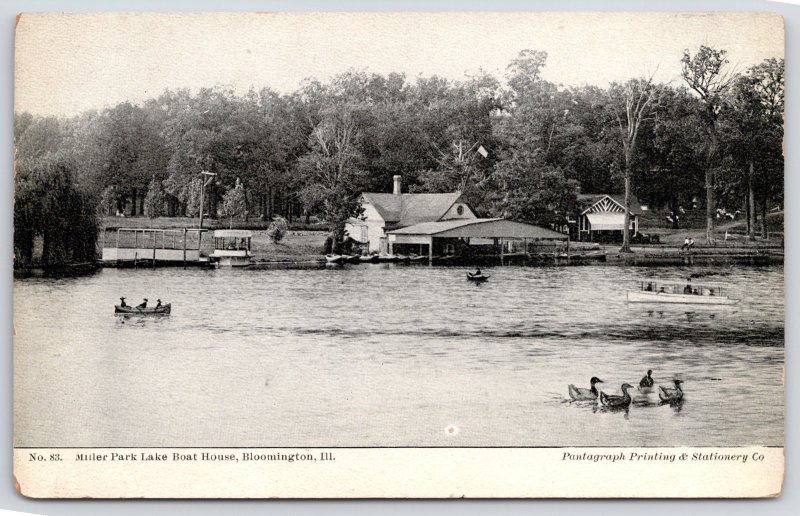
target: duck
<point>647,381</point>
<point>671,395</point>
<point>580,394</point>
<point>616,401</point>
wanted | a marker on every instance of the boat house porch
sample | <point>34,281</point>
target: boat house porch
<point>498,238</point>
<point>136,245</point>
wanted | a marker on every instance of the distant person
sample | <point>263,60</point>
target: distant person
<point>122,302</point>
<point>649,287</point>
<point>685,244</point>
<point>158,304</point>
<point>647,381</point>
<point>696,292</point>
<point>662,291</point>
<point>691,243</point>
<point>711,292</point>
<point>687,289</point>
<point>478,272</point>
<point>143,304</point>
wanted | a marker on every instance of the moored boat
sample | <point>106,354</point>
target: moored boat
<point>133,310</point>
<point>477,278</point>
<point>232,248</point>
<point>334,258</point>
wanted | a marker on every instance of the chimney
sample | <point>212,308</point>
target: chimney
<point>397,185</point>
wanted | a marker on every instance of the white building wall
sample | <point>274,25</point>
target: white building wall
<point>374,224</point>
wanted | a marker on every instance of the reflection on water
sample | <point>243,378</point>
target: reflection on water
<point>391,355</point>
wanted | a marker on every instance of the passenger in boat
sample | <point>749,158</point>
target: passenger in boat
<point>122,302</point>
<point>158,304</point>
<point>477,272</point>
<point>662,291</point>
<point>143,304</point>
<point>647,380</point>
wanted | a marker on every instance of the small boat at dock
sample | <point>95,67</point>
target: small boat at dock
<point>679,293</point>
<point>336,259</point>
<point>133,310</point>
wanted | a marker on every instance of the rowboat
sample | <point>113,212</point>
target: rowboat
<point>477,278</point>
<point>132,310</point>
<point>680,293</point>
<point>334,258</point>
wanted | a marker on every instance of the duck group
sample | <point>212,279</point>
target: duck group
<point>671,395</point>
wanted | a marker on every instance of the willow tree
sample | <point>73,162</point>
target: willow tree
<point>705,73</point>
<point>631,103</point>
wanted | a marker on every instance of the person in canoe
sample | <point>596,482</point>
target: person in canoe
<point>143,304</point>
<point>478,272</point>
<point>158,304</point>
<point>122,302</point>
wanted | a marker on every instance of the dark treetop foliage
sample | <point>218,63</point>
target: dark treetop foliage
<point>311,152</point>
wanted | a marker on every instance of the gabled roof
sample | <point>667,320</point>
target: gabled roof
<point>589,200</point>
<point>411,208</point>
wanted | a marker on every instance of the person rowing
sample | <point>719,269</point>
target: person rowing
<point>158,304</point>
<point>478,272</point>
<point>143,304</point>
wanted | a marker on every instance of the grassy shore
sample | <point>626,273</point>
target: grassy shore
<point>305,243</point>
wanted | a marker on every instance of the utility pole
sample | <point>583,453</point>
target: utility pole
<point>202,191</point>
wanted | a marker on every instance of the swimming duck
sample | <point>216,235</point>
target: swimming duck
<point>671,395</point>
<point>646,381</point>
<point>580,394</point>
<point>616,401</point>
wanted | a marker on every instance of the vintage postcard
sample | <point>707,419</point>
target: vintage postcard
<point>429,255</point>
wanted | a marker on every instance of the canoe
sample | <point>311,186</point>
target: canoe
<point>132,310</point>
<point>477,278</point>
<point>665,297</point>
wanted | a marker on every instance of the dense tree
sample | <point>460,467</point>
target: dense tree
<point>522,149</point>
<point>333,169</point>
<point>705,73</point>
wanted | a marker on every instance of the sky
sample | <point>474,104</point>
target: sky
<point>69,63</point>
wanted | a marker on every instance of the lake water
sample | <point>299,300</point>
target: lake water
<point>384,355</point>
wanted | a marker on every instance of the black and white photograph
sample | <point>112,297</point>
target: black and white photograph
<point>273,250</point>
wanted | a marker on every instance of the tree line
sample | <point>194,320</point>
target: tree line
<point>522,148</point>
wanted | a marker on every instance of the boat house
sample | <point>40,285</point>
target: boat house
<point>384,212</point>
<point>131,246</point>
<point>603,217</point>
<point>441,226</point>
<point>476,237</point>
